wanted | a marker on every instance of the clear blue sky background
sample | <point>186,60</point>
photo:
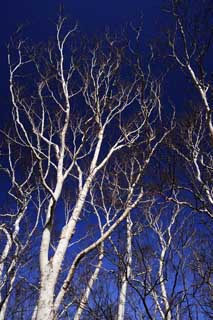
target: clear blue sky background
<point>92,15</point>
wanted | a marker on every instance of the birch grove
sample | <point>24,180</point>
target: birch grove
<point>190,46</point>
<point>65,123</point>
<point>108,189</point>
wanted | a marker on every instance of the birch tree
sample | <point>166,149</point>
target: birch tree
<point>161,256</point>
<point>68,97</point>
<point>18,221</point>
<point>190,47</point>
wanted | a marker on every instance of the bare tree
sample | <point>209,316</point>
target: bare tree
<point>17,218</point>
<point>97,186</point>
<point>162,254</point>
<point>64,115</point>
<point>202,269</point>
<point>190,46</point>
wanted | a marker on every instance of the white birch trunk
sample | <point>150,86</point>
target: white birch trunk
<point>4,306</point>
<point>167,316</point>
<point>45,309</point>
<point>127,273</point>
<point>4,309</point>
<point>85,297</point>
<point>50,268</point>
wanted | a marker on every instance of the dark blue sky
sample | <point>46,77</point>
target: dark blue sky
<point>92,15</point>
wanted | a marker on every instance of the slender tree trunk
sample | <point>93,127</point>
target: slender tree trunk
<point>85,297</point>
<point>4,306</point>
<point>168,315</point>
<point>4,309</point>
<point>127,273</point>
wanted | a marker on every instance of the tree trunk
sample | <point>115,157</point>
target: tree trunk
<point>45,310</point>
<point>127,273</point>
<point>85,297</point>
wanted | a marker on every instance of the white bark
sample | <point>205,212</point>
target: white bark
<point>165,236</point>
<point>59,157</point>
<point>94,245</point>
<point>164,296</point>
<point>14,246</point>
<point>85,298</point>
<point>127,273</point>
<point>45,308</point>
